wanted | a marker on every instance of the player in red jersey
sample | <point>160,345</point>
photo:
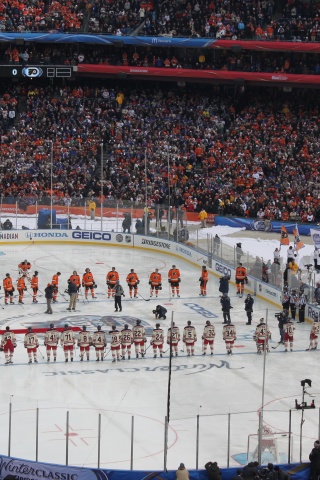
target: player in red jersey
<point>8,344</point>
<point>51,340</point>
<point>262,336</point>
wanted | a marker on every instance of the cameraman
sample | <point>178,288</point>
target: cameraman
<point>282,318</point>
<point>7,225</point>
<point>160,312</point>
<point>214,472</point>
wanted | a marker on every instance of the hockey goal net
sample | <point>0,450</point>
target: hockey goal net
<point>275,447</point>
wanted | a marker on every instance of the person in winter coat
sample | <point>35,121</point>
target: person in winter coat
<point>182,473</point>
<point>213,471</point>
<point>224,284</point>
<point>314,458</point>
<point>118,293</point>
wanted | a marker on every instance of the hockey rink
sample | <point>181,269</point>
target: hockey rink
<point>219,388</point>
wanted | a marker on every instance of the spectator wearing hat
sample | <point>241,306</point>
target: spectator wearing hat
<point>182,473</point>
<point>48,291</point>
<point>314,458</point>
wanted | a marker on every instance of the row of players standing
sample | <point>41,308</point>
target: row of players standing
<point>120,341</point>
<point>88,283</point>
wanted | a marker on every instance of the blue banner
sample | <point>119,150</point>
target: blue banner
<point>11,467</point>
<point>263,226</point>
<point>108,39</point>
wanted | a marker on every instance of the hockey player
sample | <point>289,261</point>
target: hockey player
<point>24,267</point>
<point>203,281</point>
<point>8,344</point>
<point>126,341</point>
<point>314,334</point>
<point>294,303</point>
<point>189,338</point>
<point>84,342</point>
<point>155,282</point>
<point>99,341</point>
<point>111,280</point>
<point>21,287</point>
<point>229,335</point>
<point>261,336</point>
<point>174,280</point>
<point>173,333</point>
<point>139,338</point>
<point>8,289</point>
<point>34,286</point>
<point>115,337</point>
<point>208,337</point>
<point>51,340</point>
<point>67,341</point>
<point>31,344</point>
<point>157,340</point>
<point>248,306</point>
<point>241,276</point>
<point>160,312</point>
<point>75,278</point>
<point>133,282</point>
<point>288,329</point>
<point>55,283</point>
<point>88,283</point>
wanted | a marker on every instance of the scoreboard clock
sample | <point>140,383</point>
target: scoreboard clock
<point>42,71</point>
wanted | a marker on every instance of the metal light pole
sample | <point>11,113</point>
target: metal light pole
<point>51,181</point>
<point>101,191</point>
<point>169,219</point>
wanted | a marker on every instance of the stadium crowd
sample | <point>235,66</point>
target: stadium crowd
<point>254,154</point>
<point>230,19</point>
<point>246,61</point>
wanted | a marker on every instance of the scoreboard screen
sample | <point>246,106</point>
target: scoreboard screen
<point>34,71</point>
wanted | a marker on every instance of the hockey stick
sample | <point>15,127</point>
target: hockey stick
<point>183,348</point>
<point>142,354</point>
<point>106,353</point>
<point>40,352</point>
<point>145,299</point>
<point>279,343</point>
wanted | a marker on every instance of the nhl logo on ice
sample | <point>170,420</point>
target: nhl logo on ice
<point>119,238</point>
<point>128,238</point>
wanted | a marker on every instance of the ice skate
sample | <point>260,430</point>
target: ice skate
<point>114,360</point>
<point>30,361</point>
<point>66,360</point>
<point>35,360</point>
<point>155,356</point>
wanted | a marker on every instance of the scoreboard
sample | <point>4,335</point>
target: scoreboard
<point>35,71</point>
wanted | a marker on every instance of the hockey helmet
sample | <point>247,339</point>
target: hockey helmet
<point>66,326</point>
<point>261,320</point>
<point>204,267</point>
<point>99,327</point>
<point>113,268</point>
<point>132,270</point>
<point>36,272</point>
<point>8,329</point>
<point>157,325</point>
<point>189,322</point>
<point>74,272</point>
<point>51,325</point>
<point>138,322</point>
<point>29,328</point>
<point>126,326</point>
<point>7,274</point>
<point>208,322</point>
<point>87,270</point>
<point>84,328</point>
<point>173,266</point>
<point>173,324</point>
<point>114,327</point>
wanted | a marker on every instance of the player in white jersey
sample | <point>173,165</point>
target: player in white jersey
<point>314,334</point>
<point>84,342</point>
<point>99,341</point>
<point>173,333</point>
<point>67,341</point>
<point>157,340</point>
<point>189,338</point>
<point>126,341</point>
<point>209,333</point>
<point>115,341</point>
<point>229,335</point>
<point>262,336</point>
<point>51,340</point>
<point>8,344</point>
<point>31,344</point>
<point>288,329</point>
<point>139,338</point>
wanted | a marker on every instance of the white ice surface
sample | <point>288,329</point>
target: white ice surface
<point>209,386</point>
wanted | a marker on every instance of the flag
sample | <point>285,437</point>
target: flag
<point>284,240</point>
<point>297,242</point>
<point>315,235</point>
